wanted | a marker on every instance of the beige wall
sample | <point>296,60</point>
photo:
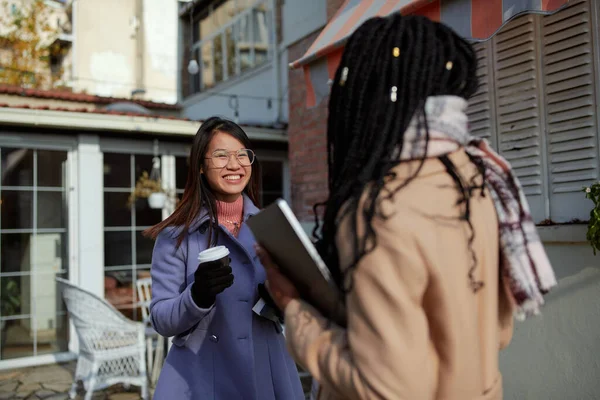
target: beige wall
<point>107,43</point>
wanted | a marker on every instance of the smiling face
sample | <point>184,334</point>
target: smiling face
<point>228,182</point>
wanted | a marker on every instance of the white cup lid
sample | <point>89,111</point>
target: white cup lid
<point>212,254</point>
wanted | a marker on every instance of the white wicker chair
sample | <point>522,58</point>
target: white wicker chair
<point>112,348</point>
<point>144,291</point>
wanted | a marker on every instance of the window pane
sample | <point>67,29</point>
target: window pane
<point>50,313</point>
<point>143,249</point>
<point>15,253</point>
<point>230,49</point>
<point>116,210</point>
<point>117,169</point>
<point>272,175</point>
<point>261,35</point>
<point>143,273</point>
<point>118,278</point>
<point>16,209</point>
<point>50,255</point>
<point>244,43</point>
<point>53,333</point>
<point>51,210</point>
<point>143,163</point>
<point>146,216</point>
<point>217,17</point>
<point>195,30</point>
<point>217,44</point>
<point>196,77</point>
<point>16,295</point>
<point>117,248</point>
<point>50,168</point>
<point>17,340</point>
<point>181,171</point>
<point>16,167</point>
<point>208,65</point>
<point>118,290</point>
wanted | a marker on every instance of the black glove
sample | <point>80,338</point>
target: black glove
<point>210,279</point>
<point>264,294</point>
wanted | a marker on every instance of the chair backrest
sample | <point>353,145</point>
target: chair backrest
<point>144,292</point>
<point>96,321</point>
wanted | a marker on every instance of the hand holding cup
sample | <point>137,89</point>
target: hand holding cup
<point>213,276</point>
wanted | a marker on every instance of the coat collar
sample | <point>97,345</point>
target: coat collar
<point>249,210</point>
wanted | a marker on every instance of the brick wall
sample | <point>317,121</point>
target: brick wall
<point>307,134</point>
<point>307,140</point>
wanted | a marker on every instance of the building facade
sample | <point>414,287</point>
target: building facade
<point>71,159</point>
<point>120,48</point>
<point>66,181</point>
<point>538,105</point>
<point>135,53</point>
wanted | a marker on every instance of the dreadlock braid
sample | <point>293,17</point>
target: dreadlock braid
<point>366,123</point>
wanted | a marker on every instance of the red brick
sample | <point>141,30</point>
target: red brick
<point>307,130</point>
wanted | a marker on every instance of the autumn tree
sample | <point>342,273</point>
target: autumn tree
<point>25,38</point>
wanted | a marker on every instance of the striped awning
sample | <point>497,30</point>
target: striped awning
<point>476,20</point>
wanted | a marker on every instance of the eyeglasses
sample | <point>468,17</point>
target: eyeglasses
<point>220,158</point>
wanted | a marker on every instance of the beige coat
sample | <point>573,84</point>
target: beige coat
<point>416,330</point>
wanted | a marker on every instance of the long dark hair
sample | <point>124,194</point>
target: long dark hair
<point>365,129</point>
<point>197,194</point>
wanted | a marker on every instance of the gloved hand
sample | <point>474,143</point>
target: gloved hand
<point>210,279</point>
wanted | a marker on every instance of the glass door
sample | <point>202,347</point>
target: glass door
<point>34,249</point>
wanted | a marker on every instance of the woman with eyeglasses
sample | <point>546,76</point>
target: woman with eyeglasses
<point>222,349</point>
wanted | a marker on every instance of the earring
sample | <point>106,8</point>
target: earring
<point>394,94</point>
<point>396,52</point>
<point>449,65</point>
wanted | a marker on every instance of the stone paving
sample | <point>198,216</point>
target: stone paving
<point>52,382</point>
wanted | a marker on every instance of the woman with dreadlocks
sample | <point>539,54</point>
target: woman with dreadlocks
<point>426,228</point>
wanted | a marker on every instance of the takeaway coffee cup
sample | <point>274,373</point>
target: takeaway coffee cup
<point>218,254</point>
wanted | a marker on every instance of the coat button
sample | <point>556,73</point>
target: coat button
<point>214,338</point>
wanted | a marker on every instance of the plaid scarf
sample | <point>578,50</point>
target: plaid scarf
<point>523,261</point>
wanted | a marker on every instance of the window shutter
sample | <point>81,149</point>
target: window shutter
<point>481,110</point>
<point>570,109</point>
<point>518,108</point>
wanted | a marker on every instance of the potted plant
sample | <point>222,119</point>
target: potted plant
<point>151,189</point>
<point>10,300</point>
<point>593,232</point>
<point>10,304</point>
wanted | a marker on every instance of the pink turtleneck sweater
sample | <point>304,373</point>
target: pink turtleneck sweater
<point>231,214</point>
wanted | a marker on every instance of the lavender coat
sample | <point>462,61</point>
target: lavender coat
<point>226,352</point>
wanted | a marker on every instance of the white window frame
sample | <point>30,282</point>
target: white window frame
<point>69,145</point>
<point>146,147</point>
<point>285,173</point>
